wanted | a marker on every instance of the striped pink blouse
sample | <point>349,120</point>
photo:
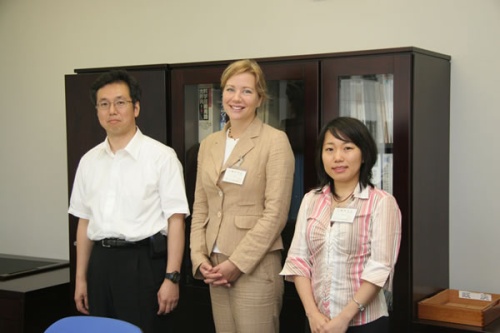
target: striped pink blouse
<point>337,256</point>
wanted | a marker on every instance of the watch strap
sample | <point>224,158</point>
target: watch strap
<point>174,276</point>
<point>361,307</point>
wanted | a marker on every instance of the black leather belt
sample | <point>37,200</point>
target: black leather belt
<point>117,242</point>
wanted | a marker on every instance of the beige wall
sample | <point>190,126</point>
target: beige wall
<point>41,41</point>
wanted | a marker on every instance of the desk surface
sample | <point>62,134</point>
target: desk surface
<point>36,281</point>
<point>15,266</point>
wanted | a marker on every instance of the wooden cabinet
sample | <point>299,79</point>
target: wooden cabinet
<point>420,155</point>
<point>306,93</point>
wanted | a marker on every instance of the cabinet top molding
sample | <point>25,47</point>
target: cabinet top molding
<point>318,56</point>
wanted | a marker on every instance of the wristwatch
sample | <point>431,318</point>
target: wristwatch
<point>175,276</point>
<point>361,307</point>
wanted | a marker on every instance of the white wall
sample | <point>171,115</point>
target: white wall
<point>41,41</point>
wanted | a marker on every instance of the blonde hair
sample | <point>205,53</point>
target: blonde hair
<point>247,66</point>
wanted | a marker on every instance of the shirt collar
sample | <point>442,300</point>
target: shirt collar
<point>132,148</point>
<point>362,194</point>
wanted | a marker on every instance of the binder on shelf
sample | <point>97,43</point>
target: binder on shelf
<point>377,173</point>
<point>209,110</point>
<point>387,163</point>
<point>369,99</point>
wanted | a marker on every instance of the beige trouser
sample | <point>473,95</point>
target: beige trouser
<point>253,303</point>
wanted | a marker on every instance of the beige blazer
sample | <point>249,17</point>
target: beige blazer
<point>245,220</point>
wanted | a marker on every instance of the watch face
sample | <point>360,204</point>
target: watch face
<point>175,277</point>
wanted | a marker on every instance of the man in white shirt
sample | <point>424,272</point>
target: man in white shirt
<point>129,196</point>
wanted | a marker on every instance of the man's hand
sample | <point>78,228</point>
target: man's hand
<point>168,297</point>
<point>81,299</point>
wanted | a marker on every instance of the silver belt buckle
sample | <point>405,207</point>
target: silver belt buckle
<point>104,244</point>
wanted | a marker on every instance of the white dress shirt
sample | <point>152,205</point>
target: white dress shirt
<point>129,194</point>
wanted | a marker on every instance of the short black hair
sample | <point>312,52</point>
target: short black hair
<point>115,76</point>
<point>353,130</point>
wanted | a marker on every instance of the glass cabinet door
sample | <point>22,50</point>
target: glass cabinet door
<point>292,107</point>
<point>284,110</point>
<point>369,98</point>
<point>364,90</point>
<point>196,112</point>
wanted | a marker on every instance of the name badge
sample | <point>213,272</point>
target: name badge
<point>343,215</point>
<point>234,176</point>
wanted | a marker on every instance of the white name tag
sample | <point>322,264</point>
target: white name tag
<point>234,176</point>
<point>471,295</point>
<point>343,215</point>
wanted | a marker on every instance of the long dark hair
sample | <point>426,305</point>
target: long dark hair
<point>353,130</point>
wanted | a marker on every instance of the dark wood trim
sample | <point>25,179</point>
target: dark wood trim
<point>279,59</point>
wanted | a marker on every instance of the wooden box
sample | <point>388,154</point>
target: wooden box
<point>449,307</point>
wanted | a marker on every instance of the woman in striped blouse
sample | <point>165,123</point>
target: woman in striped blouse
<point>347,236</point>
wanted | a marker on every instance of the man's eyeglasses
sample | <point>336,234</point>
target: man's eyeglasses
<point>106,105</point>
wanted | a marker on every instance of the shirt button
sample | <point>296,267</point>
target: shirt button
<point>220,193</point>
<point>219,214</point>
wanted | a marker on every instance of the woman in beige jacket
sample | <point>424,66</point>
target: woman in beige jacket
<point>243,189</point>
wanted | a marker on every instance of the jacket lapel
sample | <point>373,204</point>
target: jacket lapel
<point>217,151</point>
<point>244,145</point>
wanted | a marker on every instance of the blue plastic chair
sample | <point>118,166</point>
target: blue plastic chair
<point>91,324</point>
